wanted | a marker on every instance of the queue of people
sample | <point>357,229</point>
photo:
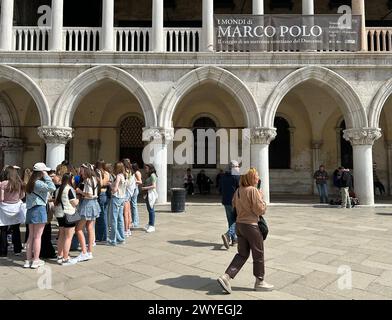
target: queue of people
<point>91,204</point>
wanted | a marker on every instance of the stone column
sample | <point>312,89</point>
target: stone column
<point>362,140</point>
<point>12,151</point>
<point>308,7</point>
<point>55,138</point>
<point>258,7</point>
<point>157,43</point>
<point>358,8</point>
<point>316,146</point>
<point>389,154</point>
<point>260,141</point>
<point>6,24</point>
<point>56,35</point>
<point>208,26</point>
<point>158,139</point>
<point>107,43</point>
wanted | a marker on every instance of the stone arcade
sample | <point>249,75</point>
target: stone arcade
<point>64,94</point>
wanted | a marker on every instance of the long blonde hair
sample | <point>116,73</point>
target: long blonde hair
<point>248,178</point>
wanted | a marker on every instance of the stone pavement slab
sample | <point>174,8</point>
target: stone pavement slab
<point>304,255</point>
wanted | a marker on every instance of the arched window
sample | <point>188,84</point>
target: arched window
<point>346,149</point>
<point>280,150</point>
<point>131,139</point>
<point>203,123</point>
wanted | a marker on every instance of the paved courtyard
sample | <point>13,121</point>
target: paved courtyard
<point>306,254</point>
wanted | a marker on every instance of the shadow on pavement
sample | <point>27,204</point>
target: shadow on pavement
<point>192,282</point>
<point>193,243</point>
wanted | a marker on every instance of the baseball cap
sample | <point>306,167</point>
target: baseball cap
<point>234,164</point>
<point>40,166</point>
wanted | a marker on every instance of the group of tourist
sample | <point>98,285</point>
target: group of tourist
<point>91,204</point>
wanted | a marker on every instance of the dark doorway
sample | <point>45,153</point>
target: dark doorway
<point>280,150</point>
<point>203,123</point>
<point>346,149</point>
<point>131,139</point>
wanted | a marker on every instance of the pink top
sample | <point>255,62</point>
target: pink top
<point>8,197</point>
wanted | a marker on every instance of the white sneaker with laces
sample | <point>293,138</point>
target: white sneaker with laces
<point>59,260</point>
<point>150,229</point>
<point>69,262</point>
<point>37,263</point>
<point>82,257</point>
<point>146,227</point>
<point>90,255</point>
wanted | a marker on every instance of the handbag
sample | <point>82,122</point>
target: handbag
<point>71,218</point>
<point>262,223</point>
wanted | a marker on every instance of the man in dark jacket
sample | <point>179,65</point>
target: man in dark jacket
<point>229,183</point>
<point>345,183</point>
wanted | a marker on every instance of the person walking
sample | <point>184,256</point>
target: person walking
<point>345,183</point>
<point>117,234</point>
<point>321,177</point>
<point>139,182</point>
<point>249,204</point>
<point>89,210</point>
<point>38,189</point>
<point>151,196</point>
<point>65,204</point>
<point>229,183</point>
<point>12,210</point>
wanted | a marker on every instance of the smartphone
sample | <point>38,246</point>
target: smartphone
<point>259,184</point>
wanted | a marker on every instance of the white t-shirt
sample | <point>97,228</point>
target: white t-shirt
<point>88,187</point>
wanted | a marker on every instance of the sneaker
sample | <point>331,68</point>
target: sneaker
<point>111,243</point>
<point>59,260</point>
<point>224,282</point>
<point>27,264</point>
<point>17,254</point>
<point>226,240</point>
<point>69,262</point>
<point>150,229</point>
<point>129,233</point>
<point>146,227</point>
<point>82,257</point>
<point>90,256</point>
<point>37,263</point>
<point>261,285</point>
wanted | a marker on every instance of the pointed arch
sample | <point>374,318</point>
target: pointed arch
<point>11,74</point>
<point>222,78</point>
<point>90,79</point>
<point>378,103</point>
<point>353,110</point>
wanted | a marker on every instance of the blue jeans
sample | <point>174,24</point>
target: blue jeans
<point>151,214</point>
<point>101,226</point>
<point>231,222</point>
<point>323,192</point>
<point>135,214</point>
<point>117,220</point>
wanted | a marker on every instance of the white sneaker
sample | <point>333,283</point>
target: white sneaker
<point>69,262</point>
<point>90,255</point>
<point>146,227</point>
<point>59,260</point>
<point>82,257</point>
<point>27,264</point>
<point>37,263</point>
<point>261,285</point>
<point>150,229</point>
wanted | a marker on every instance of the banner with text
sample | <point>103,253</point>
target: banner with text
<point>252,33</point>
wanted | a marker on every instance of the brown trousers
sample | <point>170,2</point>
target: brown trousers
<point>249,238</point>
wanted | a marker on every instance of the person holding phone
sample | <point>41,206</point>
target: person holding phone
<point>37,191</point>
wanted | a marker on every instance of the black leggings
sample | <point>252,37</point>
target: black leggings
<point>16,241</point>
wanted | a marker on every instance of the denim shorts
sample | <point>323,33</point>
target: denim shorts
<point>37,215</point>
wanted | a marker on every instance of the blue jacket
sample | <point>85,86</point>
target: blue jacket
<point>228,184</point>
<point>41,190</point>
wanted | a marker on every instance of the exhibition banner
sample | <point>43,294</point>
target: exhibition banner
<point>253,33</point>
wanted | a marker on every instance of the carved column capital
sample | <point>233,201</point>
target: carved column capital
<point>362,136</point>
<point>262,135</point>
<point>316,144</point>
<point>158,135</point>
<point>56,135</point>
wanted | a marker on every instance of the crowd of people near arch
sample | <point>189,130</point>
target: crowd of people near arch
<point>91,203</point>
